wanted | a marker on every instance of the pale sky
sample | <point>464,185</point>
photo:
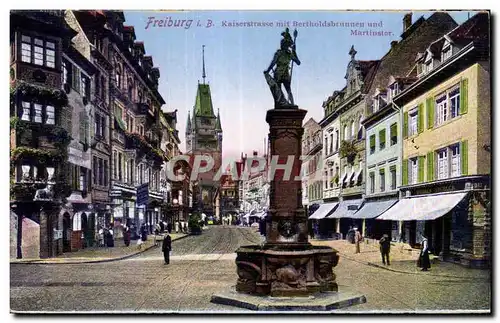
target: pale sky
<point>235,58</point>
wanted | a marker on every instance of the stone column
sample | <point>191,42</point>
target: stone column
<point>287,220</point>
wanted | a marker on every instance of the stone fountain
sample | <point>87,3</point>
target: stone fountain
<point>286,272</point>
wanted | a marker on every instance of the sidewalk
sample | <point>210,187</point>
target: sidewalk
<point>403,259</point>
<point>101,254</point>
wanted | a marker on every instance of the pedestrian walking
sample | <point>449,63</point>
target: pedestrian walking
<point>101,237</point>
<point>176,226</point>
<point>167,248</point>
<point>185,227</point>
<point>424,260</point>
<point>126,236</point>
<point>385,249</point>
<point>357,239</point>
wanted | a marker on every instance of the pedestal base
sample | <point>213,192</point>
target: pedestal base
<point>286,270</point>
<point>326,301</point>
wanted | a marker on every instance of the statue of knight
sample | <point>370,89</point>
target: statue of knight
<point>281,74</point>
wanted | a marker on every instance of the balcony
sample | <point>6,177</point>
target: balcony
<point>119,137</point>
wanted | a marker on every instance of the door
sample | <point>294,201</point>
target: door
<point>66,232</point>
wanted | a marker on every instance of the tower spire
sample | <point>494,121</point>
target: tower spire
<point>203,58</point>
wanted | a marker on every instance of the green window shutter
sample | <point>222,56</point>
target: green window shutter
<point>463,96</point>
<point>420,124</point>
<point>405,172</point>
<point>430,166</point>
<point>405,124</point>
<point>421,169</point>
<point>463,155</point>
<point>430,112</point>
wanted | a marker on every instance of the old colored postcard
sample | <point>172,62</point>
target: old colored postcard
<point>250,161</point>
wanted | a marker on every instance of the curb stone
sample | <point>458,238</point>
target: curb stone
<point>41,261</point>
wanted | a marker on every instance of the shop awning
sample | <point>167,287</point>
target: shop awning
<point>346,209</point>
<point>372,209</point>
<point>422,208</point>
<point>323,211</point>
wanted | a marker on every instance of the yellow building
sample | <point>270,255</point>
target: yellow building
<point>446,147</point>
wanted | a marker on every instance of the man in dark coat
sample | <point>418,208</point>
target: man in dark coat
<point>166,248</point>
<point>385,249</point>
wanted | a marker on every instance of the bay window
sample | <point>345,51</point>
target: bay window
<point>38,51</point>
<point>38,113</point>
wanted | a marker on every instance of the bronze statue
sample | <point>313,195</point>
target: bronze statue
<point>281,74</point>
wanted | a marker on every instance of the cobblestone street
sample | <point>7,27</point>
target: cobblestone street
<point>203,265</point>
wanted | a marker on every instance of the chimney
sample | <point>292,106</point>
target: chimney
<point>394,43</point>
<point>406,21</point>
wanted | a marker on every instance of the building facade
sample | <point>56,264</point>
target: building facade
<point>447,145</point>
<point>39,141</point>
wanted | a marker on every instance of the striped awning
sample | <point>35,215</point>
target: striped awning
<point>423,208</point>
<point>323,211</point>
<point>372,209</point>
<point>346,209</point>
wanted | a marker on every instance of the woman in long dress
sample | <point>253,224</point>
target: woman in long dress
<point>425,262</point>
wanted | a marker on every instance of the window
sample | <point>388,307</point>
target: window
<point>26,49</point>
<point>38,51</point>
<point>375,103</point>
<point>326,146</point>
<point>101,171</point>
<point>50,115</point>
<point>394,133</point>
<point>443,164</point>
<point>326,179</point>
<point>120,166</point>
<point>337,140</point>
<point>331,143</point>
<point>94,169</point>
<point>85,86</point>
<point>346,133</point>
<point>372,182</point>
<point>83,175</point>
<point>413,122</point>
<point>393,177</point>
<point>115,164</point>
<point>372,144</point>
<point>446,53</point>
<point>353,130</point>
<point>382,180</point>
<point>442,109</point>
<point>38,113</point>
<point>455,161</point>
<point>413,170</point>
<point>455,101</point>
<point>393,90</point>
<point>382,139</point>
<point>331,177</point>
<point>26,111</point>
<point>66,72</point>
<point>428,66</point>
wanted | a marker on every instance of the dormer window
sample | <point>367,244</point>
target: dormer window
<point>428,65</point>
<point>446,53</point>
<point>393,91</point>
<point>376,103</point>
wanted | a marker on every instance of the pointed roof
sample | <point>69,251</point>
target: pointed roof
<point>203,105</point>
<point>217,122</point>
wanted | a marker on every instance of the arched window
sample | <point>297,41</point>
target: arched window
<point>118,76</point>
<point>346,132</point>
<point>360,128</point>
<point>353,130</point>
